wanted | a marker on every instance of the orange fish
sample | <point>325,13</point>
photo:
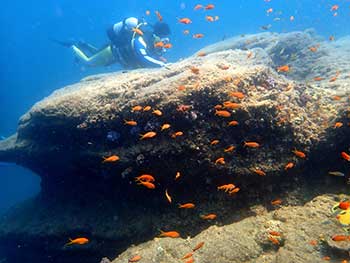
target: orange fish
<point>289,166</point>
<point>250,54</point>
<point>198,35</point>
<point>231,105</point>
<point>340,238</point>
<point>147,185</point>
<point>185,20</point>
<point>220,160</point>
<point>194,70</point>
<point>276,202</point>
<point>223,113</point>
<point>218,107</point>
<point>201,54</point>
<point>136,108</point>
<point>226,187</point>
<point>77,241</point>
<point>338,124</point>
<point>259,172</point>
<point>318,78</point>
<point>137,31</point>
<point>333,79</point>
<point>214,142</point>
<point>274,240</point>
<point>159,44</point>
<point>182,88</point>
<point>209,217</point>
<point>336,97</point>
<point>235,190</point>
<point>191,260</point>
<point>147,108</point>
<point>269,11</point>
<point>313,242</point>
<point>177,134</point>
<point>187,206</point>
<point>160,18</point>
<point>229,149</point>
<point>334,7</point>
<point>186,32</point>
<point>197,7</point>
<point>135,258</point>
<point>165,126</point>
<point>284,68</point>
<point>168,197</point>
<point>188,255</point>
<point>275,233</point>
<point>313,49</point>
<point>345,156</point>
<point>224,67</point>
<point>326,258</point>
<point>344,205</point>
<point>198,246</point>
<point>178,175</point>
<point>157,112</point>
<point>172,234</point>
<point>168,45</point>
<point>233,123</point>
<point>209,7</point>
<point>148,135</point>
<point>237,94</point>
<point>111,159</point>
<point>209,18</point>
<point>251,144</point>
<point>145,178</point>
<point>131,122</point>
<point>300,154</point>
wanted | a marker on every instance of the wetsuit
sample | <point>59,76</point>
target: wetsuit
<point>127,47</point>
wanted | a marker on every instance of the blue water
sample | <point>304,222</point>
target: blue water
<point>32,66</point>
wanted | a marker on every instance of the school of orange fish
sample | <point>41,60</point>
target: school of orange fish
<point>221,111</point>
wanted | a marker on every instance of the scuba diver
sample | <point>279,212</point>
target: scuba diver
<point>132,44</point>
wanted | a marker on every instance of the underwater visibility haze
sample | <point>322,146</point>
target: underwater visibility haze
<point>175,131</point>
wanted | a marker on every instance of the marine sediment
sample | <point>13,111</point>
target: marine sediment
<point>65,137</point>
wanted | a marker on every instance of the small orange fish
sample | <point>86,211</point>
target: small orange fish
<point>229,149</point>
<point>201,54</point>
<point>198,246</point>
<point>276,202</point>
<point>275,233</point>
<point>209,18</point>
<point>224,67</point>
<point>233,123</point>
<point>220,160</point>
<point>188,255</point>
<point>345,156</point>
<point>177,134</point>
<point>313,49</point>
<point>259,172</point>
<point>333,79</point>
<point>168,197</point>
<point>147,185</point>
<point>327,258</point>
<point>191,260</point>
<point>197,7</point>
<point>137,31</point>
<point>135,258</point>
<point>214,142</point>
<point>218,107</point>
<point>338,124</point>
<point>289,166</point>
<point>157,112</point>
<point>231,105</point>
<point>131,122</point>
<point>159,44</point>
<point>318,78</point>
<point>178,175</point>
<point>185,20</point>
<point>186,32</point>
<point>111,159</point>
<point>226,187</point>
<point>172,234</point>
<point>300,154</point>
<point>344,205</point>
<point>208,217</point>
<point>160,18</point>
<point>136,108</point>
<point>274,240</point>
<point>237,94</point>
<point>198,35</point>
<point>194,70</point>
<point>284,68</point>
<point>340,238</point>
<point>187,206</point>
<point>251,144</point>
<point>235,190</point>
<point>336,97</point>
<point>145,178</point>
<point>182,88</point>
<point>209,7</point>
<point>148,135</point>
<point>313,242</point>
<point>147,108</point>
<point>168,45</point>
<point>165,126</point>
<point>77,241</point>
<point>223,113</point>
<point>334,7</point>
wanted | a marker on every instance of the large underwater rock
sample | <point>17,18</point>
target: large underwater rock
<point>64,138</point>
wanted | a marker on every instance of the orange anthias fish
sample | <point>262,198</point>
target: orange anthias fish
<point>210,18</point>
<point>251,144</point>
<point>165,126</point>
<point>198,246</point>
<point>276,202</point>
<point>135,258</point>
<point>131,122</point>
<point>231,105</point>
<point>147,185</point>
<point>177,134</point>
<point>168,45</point>
<point>338,124</point>
<point>137,31</point>
<point>227,187</point>
<point>191,260</point>
<point>147,108</point>
<point>237,94</point>
<point>145,178</point>
<point>172,234</point>
<point>159,44</point>
<point>300,154</point>
<point>198,35</point>
<point>168,197</point>
<point>77,241</point>
<point>188,255</point>
<point>318,78</point>
<point>214,142</point>
<point>284,68</point>
<point>148,135</point>
<point>345,156</point>
<point>259,172</point>
<point>289,166</point>
<point>187,206</point>
<point>334,7</point>
<point>275,233</point>
<point>178,175</point>
<point>223,113</point>
<point>233,123</point>
<point>194,70</point>
<point>344,205</point>
<point>209,7</point>
<point>160,18</point>
<point>340,238</point>
<point>185,20</point>
<point>111,159</point>
<point>157,112</point>
<point>231,148</point>
<point>197,7</point>
<point>136,108</point>
<point>220,160</point>
<point>274,240</point>
<point>208,217</point>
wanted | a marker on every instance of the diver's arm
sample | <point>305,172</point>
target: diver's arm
<point>140,48</point>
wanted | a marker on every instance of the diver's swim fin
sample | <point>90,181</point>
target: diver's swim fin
<point>62,43</point>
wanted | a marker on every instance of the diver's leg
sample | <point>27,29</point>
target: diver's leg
<point>102,58</point>
<point>87,48</point>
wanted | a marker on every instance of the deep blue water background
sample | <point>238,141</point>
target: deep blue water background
<point>32,66</point>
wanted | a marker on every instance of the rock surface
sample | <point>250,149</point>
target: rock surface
<point>64,138</point>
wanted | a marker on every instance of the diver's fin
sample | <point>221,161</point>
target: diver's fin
<point>62,43</point>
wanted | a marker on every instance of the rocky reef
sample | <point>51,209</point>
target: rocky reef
<point>65,137</point>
